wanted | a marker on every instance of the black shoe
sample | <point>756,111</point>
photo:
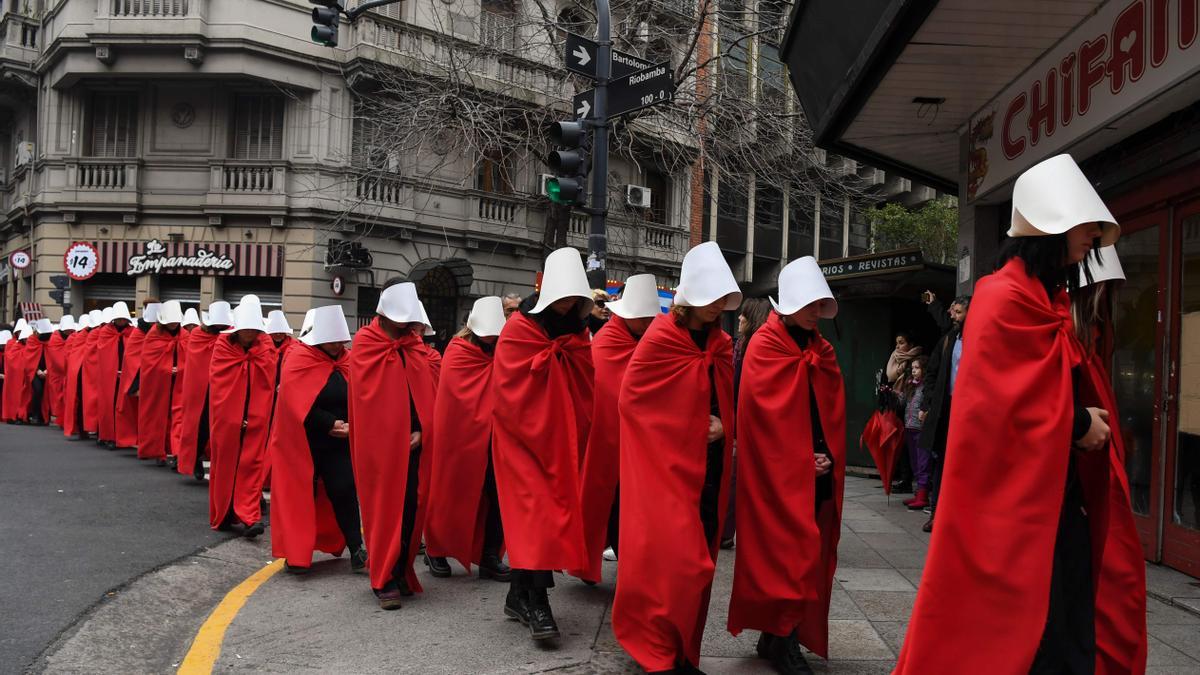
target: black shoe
<point>541,619</point>
<point>254,530</point>
<point>198,470</point>
<point>928,526</point>
<point>402,584</point>
<point>788,657</point>
<point>173,462</point>
<point>516,605</point>
<point>358,561</point>
<point>727,544</point>
<point>438,567</point>
<point>227,524</point>
<point>764,645</point>
<point>295,569</point>
<point>903,487</point>
<point>160,462</point>
<point>491,566</point>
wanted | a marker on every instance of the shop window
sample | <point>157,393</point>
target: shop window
<point>114,124</point>
<point>498,25</point>
<point>184,288</point>
<point>258,126</point>
<point>106,288</point>
<point>660,195</point>
<point>494,172</point>
<point>268,289</point>
<point>368,302</point>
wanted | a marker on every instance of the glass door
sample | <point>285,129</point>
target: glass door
<point>1181,526</point>
<point>1139,332</point>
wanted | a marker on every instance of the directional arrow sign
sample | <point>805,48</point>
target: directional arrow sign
<point>635,91</point>
<point>581,58</point>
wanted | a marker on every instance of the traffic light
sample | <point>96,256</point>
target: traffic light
<point>325,22</point>
<point>57,295</point>
<point>569,164</point>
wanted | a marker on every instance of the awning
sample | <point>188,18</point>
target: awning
<point>891,274</point>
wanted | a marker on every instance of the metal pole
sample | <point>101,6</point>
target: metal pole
<point>352,14</point>
<point>597,237</point>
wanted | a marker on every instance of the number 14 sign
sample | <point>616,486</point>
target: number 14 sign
<point>81,261</point>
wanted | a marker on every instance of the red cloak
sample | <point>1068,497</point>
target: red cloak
<point>56,373</point>
<point>542,393</point>
<point>984,594</point>
<point>665,576</point>
<point>173,441</point>
<point>787,554</point>
<point>110,347</point>
<point>462,415</point>
<point>127,406</point>
<point>1120,572</point>
<point>31,361</point>
<point>384,388</point>
<point>72,425</point>
<point>193,397</point>
<point>159,389</point>
<point>91,382</point>
<point>14,376</point>
<point>242,388</point>
<point>302,518</point>
<point>612,347</point>
<point>3,400</point>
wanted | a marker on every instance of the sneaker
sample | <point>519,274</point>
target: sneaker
<point>358,561</point>
<point>295,569</point>
<point>609,554</point>
<point>438,567</point>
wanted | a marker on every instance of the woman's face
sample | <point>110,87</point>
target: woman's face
<point>489,339</point>
<point>246,337</point>
<point>743,324</point>
<point>710,312</point>
<point>333,349</point>
<point>901,343</point>
<point>563,305</point>
<point>1080,240</point>
<point>807,317</point>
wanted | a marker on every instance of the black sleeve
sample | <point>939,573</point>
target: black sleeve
<point>319,421</point>
<point>1083,422</point>
<point>415,425</point>
<point>137,384</point>
<point>929,386</point>
<point>938,311</point>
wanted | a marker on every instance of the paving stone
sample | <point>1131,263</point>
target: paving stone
<point>904,559</point>
<point>873,525</point>
<point>885,605</point>
<point>842,606</point>
<point>892,541</point>
<point>856,641</point>
<point>1158,612</point>
<point>913,575</point>
<point>1161,654</point>
<point>853,579</point>
<point>1185,638</point>
<point>892,632</point>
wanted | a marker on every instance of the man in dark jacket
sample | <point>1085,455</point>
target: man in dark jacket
<point>939,386</point>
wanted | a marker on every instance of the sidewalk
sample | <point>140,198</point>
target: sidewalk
<point>328,621</point>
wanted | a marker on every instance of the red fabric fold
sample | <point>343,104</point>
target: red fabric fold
<point>56,374</point>
<point>176,438</point>
<point>462,415</point>
<point>883,436</point>
<point>31,360</point>
<point>109,364</point>
<point>542,391</point>
<point>787,552</point>
<point>127,406</point>
<point>984,594</point>
<point>76,350</point>
<point>158,391</point>
<point>384,388</point>
<point>612,347</point>
<point>91,382</point>
<point>302,519</point>
<point>192,397</point>
<point>14,378</point>
<point>242,388</point>
<point>665,575</point>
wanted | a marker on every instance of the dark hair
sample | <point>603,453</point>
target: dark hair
<point>964,300</point>
<point>1044,258</point>
<point>392,282</point>
<point>756,311</point>
<point>906,335</point>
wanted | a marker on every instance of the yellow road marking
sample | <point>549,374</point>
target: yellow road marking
<point>207,645</point>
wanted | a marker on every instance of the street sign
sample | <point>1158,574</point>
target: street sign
<point>81,261</point>
<point>20,259</point>
<point>581,58</point>
<point>642,89</point>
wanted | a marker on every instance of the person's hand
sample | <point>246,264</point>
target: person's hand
<point>174,370</point>
<point>245,423</point>
<point>824,464</point>
<point>41,374</point>
<point>921,416</point>
<point>928,297</point>
<point>414,441</point>
<point>340,429</point>
<point>716,430</point>
<point>1098,433</point>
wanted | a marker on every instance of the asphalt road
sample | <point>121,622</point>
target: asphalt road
<point>76,522</point>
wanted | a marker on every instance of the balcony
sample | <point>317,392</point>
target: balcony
<point>379,190</point>
<point>19,39</point>
<point>247,186</point>
<point>150,8</point>
<point>101,182</point>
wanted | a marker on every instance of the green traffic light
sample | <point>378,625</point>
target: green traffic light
<point>554,191</point>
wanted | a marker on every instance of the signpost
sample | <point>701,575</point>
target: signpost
<point>20,259</point>
<point>81,261</point>
<point>632,92</point>
<point>581,58</point>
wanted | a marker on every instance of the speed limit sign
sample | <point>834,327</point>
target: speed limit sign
<point>20,259</point>
<point>81,261</point>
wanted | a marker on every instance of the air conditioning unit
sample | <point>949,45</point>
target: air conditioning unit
<point>637,196</point>
<point>542,179</point>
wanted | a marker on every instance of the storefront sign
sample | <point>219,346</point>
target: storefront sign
<point>154,259</point>
<point>874,264</point>
<point>20,259</point>
<point>1125,54</point>
<point>81,261</point>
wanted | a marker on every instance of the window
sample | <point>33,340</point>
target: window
<point>800,225</point>
<point>258,126</point>
<point>497,25</point>
<point>660,193</point>
<point>768,221</point>
<point>832,228</point>
<point>732,210</point>
<point>772,91</point>
<point>393,11</point>
<point>114,124</point>
<point>371,147</point>
<point>772,19</point>
<point>493,174</point>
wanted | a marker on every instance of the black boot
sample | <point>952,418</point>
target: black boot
<point>438,567</point>
<point>254,530</point>
<point>541,619</point>
<point>358,561</point>
<point>787,656</point>
<point>764,645</point>
<point>491,566</point>
<point>516,605</point>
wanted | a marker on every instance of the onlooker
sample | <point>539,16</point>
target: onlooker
<point>911,391</point>
<point>600,313</point>
<point>939,387</point>
<point>752,317</point>
<point>891,381</point>
<point>512,302</point>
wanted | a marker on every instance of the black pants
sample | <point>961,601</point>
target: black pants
<point>35,408</point>
<point>79,407</point>
<point>939,457</point>
<point>334,469</point>
<point>409,520</point>
<point>493,526</point>
<point>1068,643</point>
<point>710,494</point>
<point>614,520</point>
<point>202,432</point>
<point>529,580</point>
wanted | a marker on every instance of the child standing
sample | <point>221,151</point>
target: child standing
<point>919,458</point>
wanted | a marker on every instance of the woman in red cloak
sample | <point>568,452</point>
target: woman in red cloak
<point>242,388</point>
<point>56,367</point>
<point>14,369</point>
<point>792,407</point>
<point>314,506</point>
<point>91,375</point>
<point>463,518</point>
<point>676,416</point>
<point>160,384</point>
<point>194,427</point>
<point>37,372</point>
<point>542,387</point>
<point>110,348</point>
<point>392,391</point>
<point>127,400</point>
<point>73,395</point>
<point>1009,585</point>
<point>612,347</point>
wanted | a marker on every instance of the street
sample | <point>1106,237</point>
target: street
<point>120,571</point>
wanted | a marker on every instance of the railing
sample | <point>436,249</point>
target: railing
<point>101,176</point>
<point>579,223</point>
<point>19,32</point>
<point>497,209</point>
<point>660,237</point>
<point>378,189</point>
<point>150,8</point>
<point>248,179</point>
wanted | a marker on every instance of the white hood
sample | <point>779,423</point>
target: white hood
<point>248,315</point>
<point>191,317</point>
<point>68,323</point>
<point>639,300</point>
<point>564,277</point>
<point>487,316</point>
<point>151,311</point>
<point>323,325</point>
<point>219,314</point>
<point>121,311</point>
<point>801,283</point>
<point>277,323</point>
<point>706,278</point>
<point>1053,196</point>
<point>171,312</point>
<point>399,303</point>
